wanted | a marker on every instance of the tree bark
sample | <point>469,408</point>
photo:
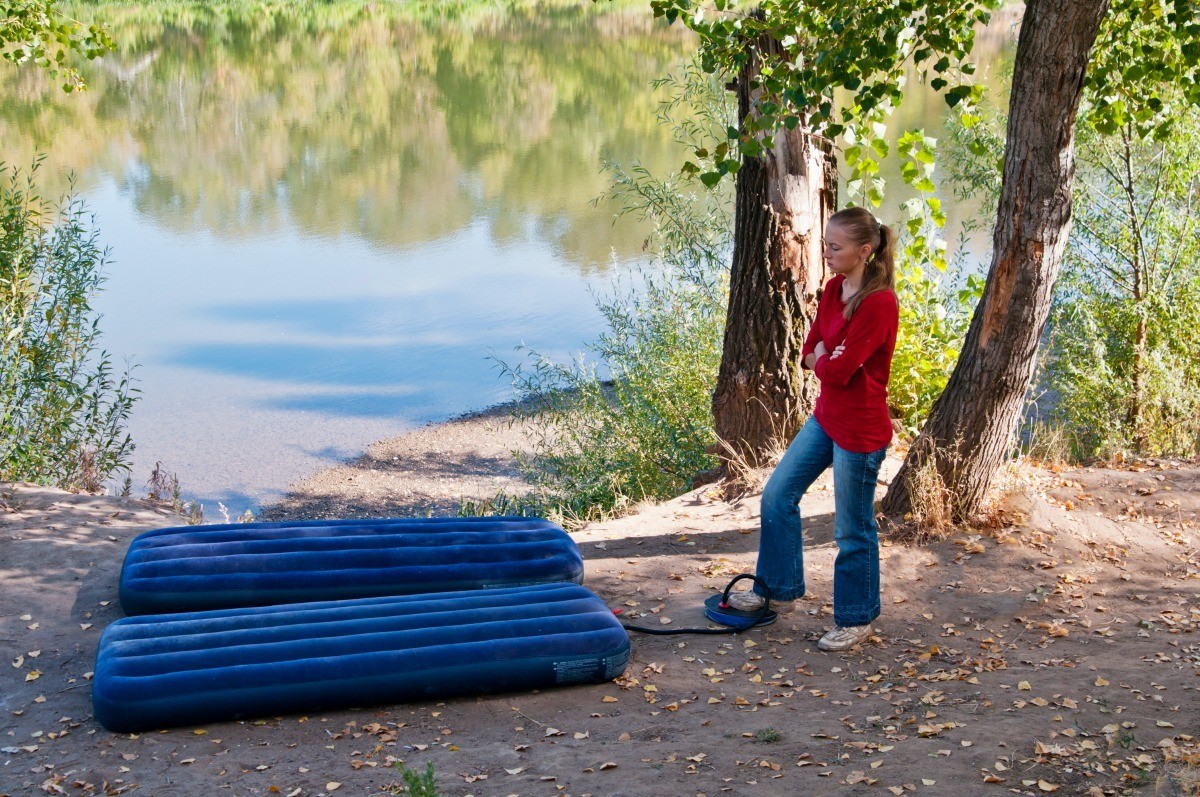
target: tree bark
<point>971,427</point>
<point>783,201</point>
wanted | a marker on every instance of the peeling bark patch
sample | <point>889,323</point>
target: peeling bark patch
<point>997,299</point>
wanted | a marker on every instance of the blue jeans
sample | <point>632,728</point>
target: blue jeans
<point>780,547</point>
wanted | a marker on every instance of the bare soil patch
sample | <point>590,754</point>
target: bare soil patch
<point>1058,655</point>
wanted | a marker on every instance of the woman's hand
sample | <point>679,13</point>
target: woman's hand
<point>837,352</point>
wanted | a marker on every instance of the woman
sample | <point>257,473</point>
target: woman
<point>849,348</point>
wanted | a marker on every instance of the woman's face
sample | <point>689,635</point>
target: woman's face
<point>840,253</point>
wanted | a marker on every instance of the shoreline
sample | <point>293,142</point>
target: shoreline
<point>426,471</point>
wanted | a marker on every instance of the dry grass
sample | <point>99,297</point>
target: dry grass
<point>740,476</point>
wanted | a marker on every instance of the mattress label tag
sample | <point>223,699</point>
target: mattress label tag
<point>576,670</point>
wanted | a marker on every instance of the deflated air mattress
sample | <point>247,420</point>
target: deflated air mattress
<point>184,669</point>
<point>193,568</point>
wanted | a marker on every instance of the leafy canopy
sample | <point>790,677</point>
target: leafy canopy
<point>1145,67</point>
<point>836,67</point>
<point>34,30</point>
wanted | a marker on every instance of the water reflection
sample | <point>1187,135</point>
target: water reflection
<point>361,120</point>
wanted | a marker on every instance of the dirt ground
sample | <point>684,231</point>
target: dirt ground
<point>1060,654</point>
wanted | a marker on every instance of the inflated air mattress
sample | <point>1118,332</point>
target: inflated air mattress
<point>193,568</point>
<point>183,669</point>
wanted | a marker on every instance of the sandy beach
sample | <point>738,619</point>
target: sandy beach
<point>1058,654</point>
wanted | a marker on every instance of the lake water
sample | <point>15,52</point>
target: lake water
<point>324,219</point>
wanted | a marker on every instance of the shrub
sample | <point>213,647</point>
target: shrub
<point>1120,375</point>
<point>1126,318</point>
<point>934,314</point>
<point>63,410</point>
<point>935,299</point>
<point>633,422</point>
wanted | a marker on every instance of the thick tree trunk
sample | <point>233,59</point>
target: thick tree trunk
<point>782,203</point>
<point>971,427</point>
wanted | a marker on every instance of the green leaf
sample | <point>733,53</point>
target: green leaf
<point>751,148</point>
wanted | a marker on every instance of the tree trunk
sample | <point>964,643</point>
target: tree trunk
<point>1137,417</point>
<point>1140,276</point>
<point>970,428</point>
<point>782,203</point>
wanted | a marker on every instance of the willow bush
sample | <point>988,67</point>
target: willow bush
<point>1119,374</point>
<point>1126,321</point>
<point>63,408</point>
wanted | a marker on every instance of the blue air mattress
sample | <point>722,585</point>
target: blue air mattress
<point>193,568</point>
<point>185,669</point>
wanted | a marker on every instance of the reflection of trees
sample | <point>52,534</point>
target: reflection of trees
<point>352,119</point>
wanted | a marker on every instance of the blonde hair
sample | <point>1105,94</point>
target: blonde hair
<point>862,228</point>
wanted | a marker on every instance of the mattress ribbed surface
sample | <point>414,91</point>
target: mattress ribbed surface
<point>183,669</point>
<point>192,568</point>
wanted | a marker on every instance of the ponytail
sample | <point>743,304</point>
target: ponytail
<point>880,273</point>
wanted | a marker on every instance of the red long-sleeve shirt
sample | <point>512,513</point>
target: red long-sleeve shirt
<point>852,404</point>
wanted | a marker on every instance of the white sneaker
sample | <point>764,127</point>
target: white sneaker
<point>844,637</point>
<point>747,601</point>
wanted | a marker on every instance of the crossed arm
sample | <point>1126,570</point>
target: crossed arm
<point>863,337</point>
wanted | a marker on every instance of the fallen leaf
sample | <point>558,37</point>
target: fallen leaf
<point>553,732</point>
<point>607,765</point>
<point>583,735</point>
<point>1045,785</point>
<point>515,770</point>
<point>332,785</point>
<point>1101,682</point>
<point>1024,686</point>
<point>608,699</point>
<point>33,675</point>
